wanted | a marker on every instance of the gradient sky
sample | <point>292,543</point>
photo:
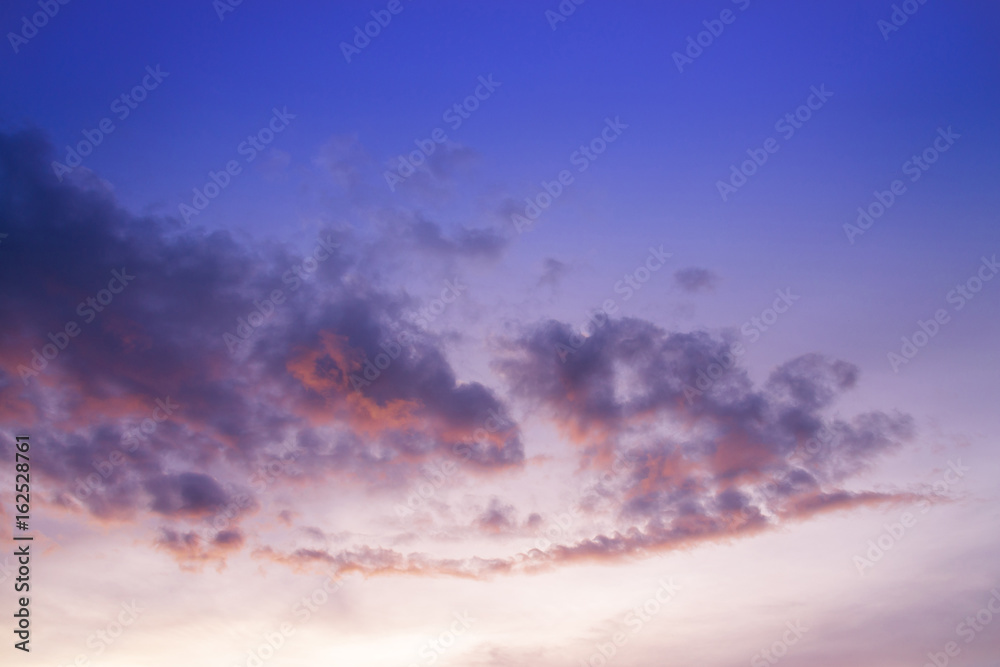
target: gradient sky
<point>511,486</point>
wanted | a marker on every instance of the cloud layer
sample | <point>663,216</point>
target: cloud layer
<point>195,361</point>
<point>261,351</point>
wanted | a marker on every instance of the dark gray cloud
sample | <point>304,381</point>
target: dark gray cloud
<point>189,493</point>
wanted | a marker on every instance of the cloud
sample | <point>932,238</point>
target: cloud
<point>499,517</point>
<point>553,272</point>
<point>274,163</point>
<point>690,530</point>
<point>699,452</point>
<point>677,470</point>
<point>344,158</point>
<point>693,280</point>
<point>466,242</point>
<point>186,494</point>
<point>333,382</point>
<point>162,337</point>
<point>438,172</point>
<point>193,551</point>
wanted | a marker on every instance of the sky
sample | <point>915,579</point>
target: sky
<point>545,333</point>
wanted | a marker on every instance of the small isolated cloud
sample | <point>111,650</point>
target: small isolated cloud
<point>450,159</point>
<point>345,159</point>
<point>693,280</point>
<point>274,164</point>
<point>497,518</point>
<point>192,550</point>
<point>466,242</point>
<point>435,174</point>
<point>552,272</point>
